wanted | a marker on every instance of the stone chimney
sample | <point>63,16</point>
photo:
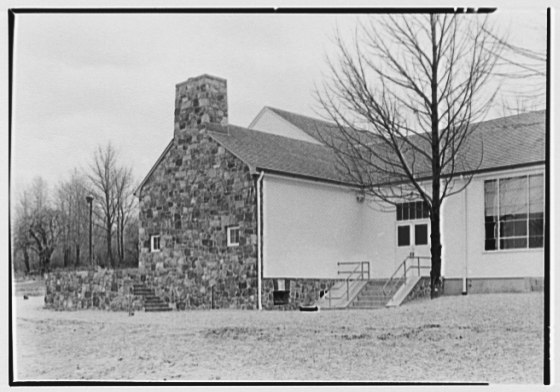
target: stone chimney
<point>198,101</point>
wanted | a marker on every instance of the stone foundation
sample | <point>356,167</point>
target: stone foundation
<point>183,289</point>
<point>454,286</point>
<point>301,291</point>
<point>420,291</point>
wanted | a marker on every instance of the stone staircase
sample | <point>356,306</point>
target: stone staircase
<point>152,303</point>
<point>371,296</point>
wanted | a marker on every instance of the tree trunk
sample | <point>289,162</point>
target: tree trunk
<point>121,234</point>
<point>109,244</point>
<point>118,238</point>
<point>66,256</point>
<point>77,255</point>
<point>435,272</point>
<point>45,258</point>
<point>26,261</point>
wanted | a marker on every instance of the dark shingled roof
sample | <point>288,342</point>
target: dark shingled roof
<point>508,141</point>
<point>265,151</point>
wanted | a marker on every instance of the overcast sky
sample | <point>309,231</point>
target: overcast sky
<point>84,80</point>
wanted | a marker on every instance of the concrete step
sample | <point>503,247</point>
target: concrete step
<point>367,307</point>
<point>372,297</point>
<point>371,291</point>
<point>368,304</point>
<point>152,303</point>
<point>158,309</point>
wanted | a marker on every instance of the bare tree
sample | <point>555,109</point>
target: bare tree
<point>124,206</point>
<point>103,181</point>
<point>39,224</point>
<point>522,70</point>
<point>22,240</point>
<point>403,95</point>
<point>111,185</point>
<point>71,201</point>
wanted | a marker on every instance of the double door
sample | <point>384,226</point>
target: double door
<point>412,237</point>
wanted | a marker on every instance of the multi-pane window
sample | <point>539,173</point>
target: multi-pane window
<point>412,210</point>
<point>233,236</point>
<point>514,212</point>
<point>404,234</point>
<point>155,245</point>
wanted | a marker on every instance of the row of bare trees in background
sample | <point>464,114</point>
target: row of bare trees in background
<point>51,226</point>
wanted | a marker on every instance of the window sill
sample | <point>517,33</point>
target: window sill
<point>505,251</point>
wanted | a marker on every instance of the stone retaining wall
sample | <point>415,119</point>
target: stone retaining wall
<point>92,289</point>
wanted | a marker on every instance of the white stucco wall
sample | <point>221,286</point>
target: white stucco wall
<point>461,243</point>
<point>269,122</point>
<point>309,227</point>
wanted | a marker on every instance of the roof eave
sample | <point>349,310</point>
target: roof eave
<point>154,167</point>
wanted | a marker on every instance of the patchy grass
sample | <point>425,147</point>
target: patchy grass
<point>29,286</point>
<point>496,338</point>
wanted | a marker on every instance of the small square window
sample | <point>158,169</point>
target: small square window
<point>233,236</point>
<point>155,243</point>
<point>403,236</point>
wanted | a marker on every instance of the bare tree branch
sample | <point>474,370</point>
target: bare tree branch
<point>403,96</point>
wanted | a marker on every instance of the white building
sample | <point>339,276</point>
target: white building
<point>290,225</point>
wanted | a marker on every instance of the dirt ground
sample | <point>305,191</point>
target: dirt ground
<point>496,338</point>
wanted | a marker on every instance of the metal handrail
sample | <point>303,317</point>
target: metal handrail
<point>406,269</point>
<point>359,266</point>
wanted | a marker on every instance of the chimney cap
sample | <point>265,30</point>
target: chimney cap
<point>215,127</point>
<point>203,76</point>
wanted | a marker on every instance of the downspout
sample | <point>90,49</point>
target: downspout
<point>259,242</point>
<point>466,244</point>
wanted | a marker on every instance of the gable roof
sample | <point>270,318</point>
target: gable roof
<point>280,154</point>
<point>322,130</point>
<point>498,143</point>
<point>506,142</point>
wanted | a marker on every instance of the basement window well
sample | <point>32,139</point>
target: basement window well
<point>281,293</point>
<point>233,236</point>
<point>155,243</point>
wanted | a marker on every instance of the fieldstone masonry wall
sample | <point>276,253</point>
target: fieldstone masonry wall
<point>94,289</point>
<point>302,291</point>
<point>196,192</point>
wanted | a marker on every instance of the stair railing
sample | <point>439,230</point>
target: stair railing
<point>360,272</point>
<point>405,267</point>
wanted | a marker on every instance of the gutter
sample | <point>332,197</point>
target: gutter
<point>259,241</point>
